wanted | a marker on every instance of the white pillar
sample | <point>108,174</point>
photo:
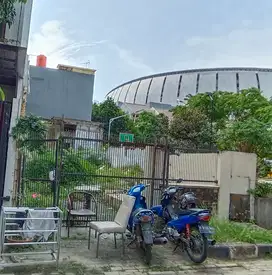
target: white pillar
<point>12,152</point>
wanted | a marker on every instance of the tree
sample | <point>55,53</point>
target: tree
<point>149,127</point>
<point>7,11</point>
<point>220,106</point>
<point>249,135</point>
<point>190,127</point>
<point>103,112</point>
<point>30,133</point>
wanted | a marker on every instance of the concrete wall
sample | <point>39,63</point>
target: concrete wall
<point>263,216</point>
<point>12,155</point>
<point>17,34</point>
<point>237,174</point>
<point>234,171</point>
<point>120,157</point>
<point>57,93</point>
<point>11,180</point>
<point>197,166</point>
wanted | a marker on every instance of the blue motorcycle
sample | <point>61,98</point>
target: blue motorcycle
<point>185,224</point>
<point>141,222</point>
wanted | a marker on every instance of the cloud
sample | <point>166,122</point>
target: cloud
<point>131,60</point>
<point>241,47</point>
<point>54,41</point>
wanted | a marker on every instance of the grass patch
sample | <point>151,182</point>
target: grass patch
<point>228,231</point>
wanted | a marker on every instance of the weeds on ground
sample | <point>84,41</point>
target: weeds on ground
<point>228,231</point>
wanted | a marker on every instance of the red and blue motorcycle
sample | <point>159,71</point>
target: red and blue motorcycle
<point>185,224</point>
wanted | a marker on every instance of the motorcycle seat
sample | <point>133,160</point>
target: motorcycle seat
<point>184,212</point>
<point>190,211</point>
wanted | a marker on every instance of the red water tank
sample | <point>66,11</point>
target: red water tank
<point>41,60</point>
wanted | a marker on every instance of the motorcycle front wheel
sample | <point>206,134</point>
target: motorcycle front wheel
<point>197,248</point>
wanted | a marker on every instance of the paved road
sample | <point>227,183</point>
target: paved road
<point>76,259</point>
<point>256,267</point>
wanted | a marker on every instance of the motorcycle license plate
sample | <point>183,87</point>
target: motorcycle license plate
<point>146,226</point>
<point>206,229</point>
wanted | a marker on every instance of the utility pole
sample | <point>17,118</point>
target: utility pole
<point>211,118</point>
<point>111,121</point>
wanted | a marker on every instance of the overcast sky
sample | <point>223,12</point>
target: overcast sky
<point>125,39</point>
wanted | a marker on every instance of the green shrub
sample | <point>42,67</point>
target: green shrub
<point>262,190</point>
<point>228,231</point>
<point>39,165</point>
<point>262,168</point>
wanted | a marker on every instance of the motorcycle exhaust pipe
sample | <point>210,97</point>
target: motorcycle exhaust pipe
<point>160,241</point>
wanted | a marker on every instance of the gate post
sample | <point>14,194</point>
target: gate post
<point>56,178</point>
<point>152,189</point>
<point>165,174</point>
<point>59,166</point>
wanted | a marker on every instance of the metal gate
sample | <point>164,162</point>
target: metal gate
<point>38,186</point>
<point>5,115</point>
<point>108,170</point>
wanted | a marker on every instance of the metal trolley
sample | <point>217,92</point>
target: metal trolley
<point>12,222</point>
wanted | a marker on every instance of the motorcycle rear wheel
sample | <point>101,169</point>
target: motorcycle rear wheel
<point>148,253</point>
<point>198,259</point>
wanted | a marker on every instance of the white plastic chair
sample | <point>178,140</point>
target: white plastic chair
<point>118,226</point>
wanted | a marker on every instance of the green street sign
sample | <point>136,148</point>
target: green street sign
<point>126,137</point>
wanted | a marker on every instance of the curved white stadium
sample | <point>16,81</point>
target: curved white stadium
<point>172,87</point>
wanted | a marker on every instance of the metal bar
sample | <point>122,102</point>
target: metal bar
<point>206,181</point>
<point>153,176</point>
<point>112,177</point>
<point>164,166</point>
<point>27,253</point>
<point>23,209</point>
<point>28,243</point>
<point>103,141</point>
<point>20,219</point>
<point>55,182</point>
<point>22,183</point>
<point>37,179</point>
<point>45,140</point>
<point>59,238</point>
<point>30,230</point>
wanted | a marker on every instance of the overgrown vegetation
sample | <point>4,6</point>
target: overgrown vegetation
<point>78,167</point>
<point>231,232</point>
<point>30,133</point>
<point>226,120</point>
<point>262,190</point>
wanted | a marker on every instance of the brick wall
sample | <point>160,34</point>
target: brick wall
<point>207,196</point>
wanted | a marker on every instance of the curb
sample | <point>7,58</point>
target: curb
<point>240,251</point>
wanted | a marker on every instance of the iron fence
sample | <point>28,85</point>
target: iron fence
<point>37,186</point>
<point>107,171</point>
